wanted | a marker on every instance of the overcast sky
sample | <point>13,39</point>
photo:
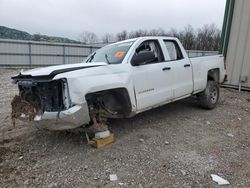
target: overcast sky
<point>68,18</point>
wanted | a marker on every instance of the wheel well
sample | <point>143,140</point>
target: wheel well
<point>214,75</point>
<point>112,103</point>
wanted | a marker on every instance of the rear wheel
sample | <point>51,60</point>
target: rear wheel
<point>210,96</point>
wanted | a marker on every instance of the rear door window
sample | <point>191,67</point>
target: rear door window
<point>174,50</point>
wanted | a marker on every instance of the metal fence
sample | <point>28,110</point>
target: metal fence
<point>32,53</point>
<point>16,53</point>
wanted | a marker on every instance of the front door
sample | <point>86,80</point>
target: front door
<point>153,81</point>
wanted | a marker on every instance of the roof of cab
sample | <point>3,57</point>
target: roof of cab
<point>147,37</point>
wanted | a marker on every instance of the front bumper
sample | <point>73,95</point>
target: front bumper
<point>71,118</point>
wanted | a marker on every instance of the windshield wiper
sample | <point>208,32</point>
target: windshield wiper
<point>106,57</point>
<point>91,57</point>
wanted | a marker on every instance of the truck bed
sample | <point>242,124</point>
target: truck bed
<point>200,73</point>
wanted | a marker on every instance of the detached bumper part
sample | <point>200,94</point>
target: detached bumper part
<point>68,119</point>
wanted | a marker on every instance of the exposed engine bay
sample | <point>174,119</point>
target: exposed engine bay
<point>36,97</point>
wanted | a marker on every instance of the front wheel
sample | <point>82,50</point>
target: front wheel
<point>210,96</point>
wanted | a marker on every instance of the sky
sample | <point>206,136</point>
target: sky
<point>69,18</point>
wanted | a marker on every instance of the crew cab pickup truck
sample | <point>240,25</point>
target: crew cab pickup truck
<point>119,80</point>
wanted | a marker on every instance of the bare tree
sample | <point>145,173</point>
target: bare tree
<point>138,33</point>
<point>188,37</point>
<point>37,37</point>
<point>217,40</point>
<point>122,35</point>
<point>107,38</point>
<point>88,37</point>
<point>173,33</point>
<point>208,38</point>
<point>157,32</point>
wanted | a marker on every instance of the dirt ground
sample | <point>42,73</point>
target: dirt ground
<point>177,145</point>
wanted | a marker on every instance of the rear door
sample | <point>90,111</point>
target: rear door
<point>153,81</point>
<point>181,66</point>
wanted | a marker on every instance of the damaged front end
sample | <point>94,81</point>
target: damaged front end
<point>45,102</point>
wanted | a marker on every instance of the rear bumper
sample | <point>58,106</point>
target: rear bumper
<point>71,118</point>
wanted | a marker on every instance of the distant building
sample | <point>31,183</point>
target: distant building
<point>236,43</point>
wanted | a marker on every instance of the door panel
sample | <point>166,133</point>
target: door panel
<point>183,78</point>
<point>153,84</point>
<point>182,69</point>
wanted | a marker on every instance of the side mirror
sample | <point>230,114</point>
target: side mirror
<point>142,57</point>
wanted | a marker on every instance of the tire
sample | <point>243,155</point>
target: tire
<point>210,96</point>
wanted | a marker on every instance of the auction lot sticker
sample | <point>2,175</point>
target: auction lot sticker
<point>119,54</point>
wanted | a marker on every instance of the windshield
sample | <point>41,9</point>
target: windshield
<point>112,54</point>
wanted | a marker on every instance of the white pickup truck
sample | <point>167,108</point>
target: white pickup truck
<point>119,80</point>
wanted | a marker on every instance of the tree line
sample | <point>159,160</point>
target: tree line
<point>206,38</point>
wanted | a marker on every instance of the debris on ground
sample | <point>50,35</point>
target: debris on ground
<point>3,136</point>
<point>141,140</point>
<point>37,117</point>
<point>230,135</point>
<point>166,143</point>
<point>113,177</point>
<point>52,185</point>
<point>20,108</point>
<point>183,172</point>
<point>219,180</point>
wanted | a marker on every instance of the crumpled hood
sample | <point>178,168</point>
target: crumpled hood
<point>54,70</point>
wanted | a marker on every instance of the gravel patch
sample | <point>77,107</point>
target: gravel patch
<point>177,145</point>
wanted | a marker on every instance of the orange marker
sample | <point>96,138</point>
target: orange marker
<point>119,54</point>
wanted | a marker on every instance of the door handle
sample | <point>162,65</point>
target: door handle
<point>166,68</point>
<point>187,65</point>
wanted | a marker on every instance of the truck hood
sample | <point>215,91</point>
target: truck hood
<point>52,71</point>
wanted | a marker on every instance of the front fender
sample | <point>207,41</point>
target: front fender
<point>80,87</point>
